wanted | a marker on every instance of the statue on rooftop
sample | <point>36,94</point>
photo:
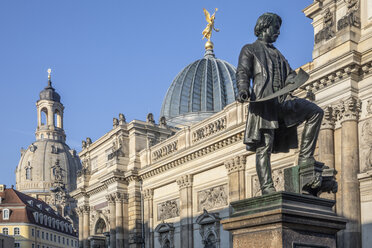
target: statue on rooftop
<point>207,32</point>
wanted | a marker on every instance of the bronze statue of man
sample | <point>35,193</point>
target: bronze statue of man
<point>272,125</point>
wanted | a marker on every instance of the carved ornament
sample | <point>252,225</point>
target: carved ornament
<point>168,209</point>
<point>148,194</point>
<point>185,181</point>
<point>366,144</point>
<point>166,234</point>
<point>328,118</point>
<point>212,198</point>
<point>209,229</point>
<point>165,150</point>
<point>348,110</point>
<point>236,164</point>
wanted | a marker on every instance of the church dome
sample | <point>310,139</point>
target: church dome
<point>49,93</point>
<point>35,171</point>
<point>201,89</point>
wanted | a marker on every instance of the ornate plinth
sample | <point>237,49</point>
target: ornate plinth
<point>284,219</point>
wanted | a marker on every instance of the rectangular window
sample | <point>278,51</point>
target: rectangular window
<point>42,235</point>
<point>55,238</point>
<point>16,231</point>
<point>17,245</point>
<point>38,233</point>
<point>33,246</point>
<point>67,241</point>
<point>33,232</point>
<point>59,239</point>
<point>63,240</point>
<point>6,214</point>
<point>47,236</point>
<point>5,231</point>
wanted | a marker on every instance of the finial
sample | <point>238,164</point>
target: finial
<point>207,32</point>
<point>49,77</point>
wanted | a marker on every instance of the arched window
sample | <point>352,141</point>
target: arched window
<point>57,120</point>
<point>6,214</point>
<point>43,117</point>
<point>5,231</point>
<point>16,231</point>
<point>28,172</point>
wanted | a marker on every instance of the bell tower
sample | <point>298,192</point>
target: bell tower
<point>50,114</point>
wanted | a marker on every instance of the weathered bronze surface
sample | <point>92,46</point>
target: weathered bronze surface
<point>272,124</point>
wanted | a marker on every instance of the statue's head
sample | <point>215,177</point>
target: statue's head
<point>268,27</point>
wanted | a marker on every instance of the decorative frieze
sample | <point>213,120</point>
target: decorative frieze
<point>348,109</point>
<point>165,150</point>
<point>168,209</point>
<point>110,198</point>
<point>212,198</point>
<point>202,152</point>
<point>209,129</point>
<point>185,181</point>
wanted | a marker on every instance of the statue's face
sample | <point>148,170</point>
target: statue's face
<point>272,32</point>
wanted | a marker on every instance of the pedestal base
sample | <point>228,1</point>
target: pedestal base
<point>284,219</point>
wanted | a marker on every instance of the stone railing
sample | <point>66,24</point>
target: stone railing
<point>165,150</point>
<point>209,129</point>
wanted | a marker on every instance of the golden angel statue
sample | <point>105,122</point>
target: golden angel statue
<point>207,32</point>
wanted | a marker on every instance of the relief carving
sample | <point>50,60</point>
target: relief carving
<point>328,30</point>
<point>212,198</point>
<point>168,209</point>
<point>366,144</point>
<point>278,179</point>
<point>352,17</point>
<point>348,109</point>
<point>328,118</point>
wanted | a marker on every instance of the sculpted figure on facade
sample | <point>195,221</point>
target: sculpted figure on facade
<point>271,122</point>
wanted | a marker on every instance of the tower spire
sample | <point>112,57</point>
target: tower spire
<point>49,77</point>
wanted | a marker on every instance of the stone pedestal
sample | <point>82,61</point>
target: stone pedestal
<point>284,219</point>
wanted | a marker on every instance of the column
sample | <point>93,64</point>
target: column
<point>326,148</point>
<point>349,114</point>
<point>86,226</point>
<point>236,173</point>
<point>148,217</point>
<point>111,203</point>
<point>185,184</point>
<point>79,211</point>
<point>119,220</point>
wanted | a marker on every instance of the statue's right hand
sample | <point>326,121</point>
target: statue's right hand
<point>243,96</point>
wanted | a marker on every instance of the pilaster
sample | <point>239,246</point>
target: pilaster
<point>86,224</point>
<point>119,197</point>
<point>186,218</point>
<point>148,196</point>
<point>236,173</point>
<point>111,203</point>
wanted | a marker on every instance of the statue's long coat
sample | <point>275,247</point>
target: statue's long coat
<point>256,63</point>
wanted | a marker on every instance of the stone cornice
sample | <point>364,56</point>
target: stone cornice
<point>237,137</point>
<point>112,177</point>
<point>185,181</point>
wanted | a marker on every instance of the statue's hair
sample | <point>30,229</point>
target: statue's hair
<point>264,21</point>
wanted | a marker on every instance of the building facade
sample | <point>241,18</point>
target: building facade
<point>32,223</point>
<point>48,167</point>
<point>165,187</point>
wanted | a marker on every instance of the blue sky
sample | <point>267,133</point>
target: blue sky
<point>116,56</point>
